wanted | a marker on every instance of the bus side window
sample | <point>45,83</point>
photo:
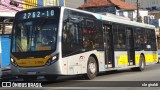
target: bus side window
<point>139,39</point>
<point>64,35</point>
<point>67,36</point>
<point>150,36</point>
<point>120,43</point>
<point>88,44</point>
<point>119,35</point>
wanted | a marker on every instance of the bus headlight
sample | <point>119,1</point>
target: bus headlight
<point>52,60</point>
<point>13,62</point>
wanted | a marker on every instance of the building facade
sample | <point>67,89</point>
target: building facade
<point>74,3</point>
<point>116,7</point>
<point>27,4</point>
<point>38,3</point>
<point>146,4</point>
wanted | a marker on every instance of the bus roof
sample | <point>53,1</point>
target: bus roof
<point>107,17</point>
<point>112,18</point>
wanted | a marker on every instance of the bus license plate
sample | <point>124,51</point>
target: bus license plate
<point>31,73</point>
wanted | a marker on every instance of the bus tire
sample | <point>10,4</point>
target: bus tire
<point>91,68</point>
<point>51,77</point>
<point>141,64</point>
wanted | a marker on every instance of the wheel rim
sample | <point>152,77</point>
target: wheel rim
<point>92,68</point>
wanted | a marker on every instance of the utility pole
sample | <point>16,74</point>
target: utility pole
<point>138,16</point>
<point>85,1</point>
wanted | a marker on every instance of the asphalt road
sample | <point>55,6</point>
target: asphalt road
<point>148,79</point>
<point>113,80</point>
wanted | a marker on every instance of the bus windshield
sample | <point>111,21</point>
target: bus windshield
<point>35,35</point>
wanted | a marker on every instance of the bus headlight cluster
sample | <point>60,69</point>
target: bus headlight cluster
<point>13,62</point>
<point>52,60</point>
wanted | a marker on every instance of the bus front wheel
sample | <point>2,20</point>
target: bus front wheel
<point>91,68</point>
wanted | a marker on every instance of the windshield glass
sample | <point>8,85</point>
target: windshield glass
<point>35,35</point>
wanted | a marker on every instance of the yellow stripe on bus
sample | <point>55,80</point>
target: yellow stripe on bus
<point>149,58</point>
<point>31,62</point>
<point>123,60</point>
<point>137,58</point>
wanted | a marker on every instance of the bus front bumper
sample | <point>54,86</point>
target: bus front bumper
<point>44,70</point>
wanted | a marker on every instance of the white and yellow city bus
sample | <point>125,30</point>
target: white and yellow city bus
<point>53,41</point>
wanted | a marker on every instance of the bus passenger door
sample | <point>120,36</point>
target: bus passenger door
<point>108,45</point>
<point>130,46</point>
